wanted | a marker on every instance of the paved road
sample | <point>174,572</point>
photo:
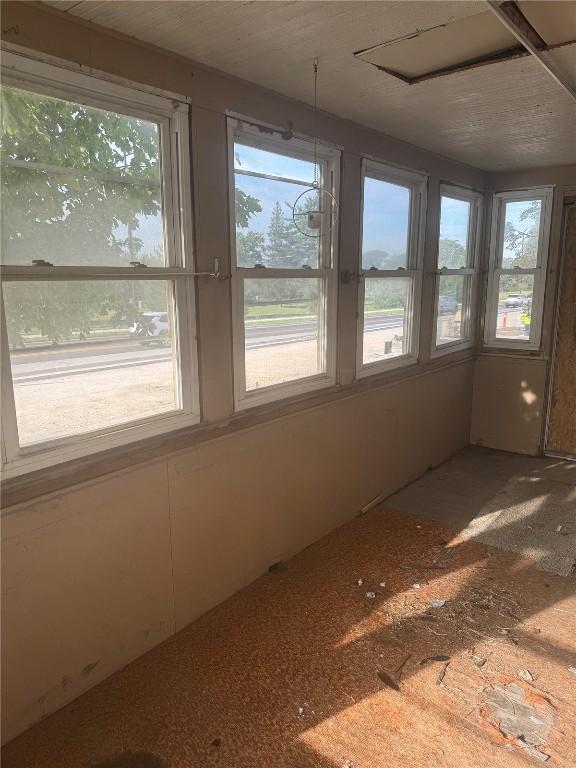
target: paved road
<point>45,363</point>
<point>34,365</point>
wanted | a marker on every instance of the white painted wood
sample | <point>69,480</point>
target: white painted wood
<point>546,195</point>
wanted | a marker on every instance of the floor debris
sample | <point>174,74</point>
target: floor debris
<point>439,657</point>
<point>400,667</point>
<point>438,603</point>
<point>525,674</point>
<point>370,595</point>
<point>521,715</point>
<point>532,751</point>
<point>442,673</point>
<point>388,680</point>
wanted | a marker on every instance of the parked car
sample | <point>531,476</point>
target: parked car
<point>514,300</point>
<point>152,329</point>
<point>447,305</point>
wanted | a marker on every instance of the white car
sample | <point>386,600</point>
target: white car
<point>152,328</point>
<point>514,300</point>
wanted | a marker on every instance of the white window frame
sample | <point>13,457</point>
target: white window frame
<point>499,200</point>
<point>417,184</point>
<point>329,157</point>
<point>471,270</point>
<point>171,113</point>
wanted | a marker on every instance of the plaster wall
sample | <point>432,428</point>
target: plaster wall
<point>97,575</point>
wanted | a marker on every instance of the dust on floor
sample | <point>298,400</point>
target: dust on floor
<point>388,643</point>
<point>524,504</point>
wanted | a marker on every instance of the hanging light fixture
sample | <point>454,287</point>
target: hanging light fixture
<point>315,210</point>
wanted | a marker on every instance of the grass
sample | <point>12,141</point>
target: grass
<point>272,311</point>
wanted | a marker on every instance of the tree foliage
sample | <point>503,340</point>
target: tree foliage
<point>78,187</point>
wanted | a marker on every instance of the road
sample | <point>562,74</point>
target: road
<point>43,363</point>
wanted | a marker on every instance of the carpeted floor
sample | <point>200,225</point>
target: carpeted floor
<point>344,660</point>
<point>519,503</point>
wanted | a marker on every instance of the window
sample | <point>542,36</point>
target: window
<point>284,275</point>
<point>393,213</point>
<point>457,269</point>
<point>96,295</point>
<point>518,256</point>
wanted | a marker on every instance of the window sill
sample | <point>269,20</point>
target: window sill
<point>25,488</point>
<point>451,348</point>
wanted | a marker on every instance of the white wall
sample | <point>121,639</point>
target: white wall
<point>96,575</point>
<point>510,389</point>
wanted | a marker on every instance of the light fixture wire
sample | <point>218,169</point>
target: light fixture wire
<point>315,183</point>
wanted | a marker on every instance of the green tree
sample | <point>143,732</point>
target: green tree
<point>522,242</point>
<point>451,254</point>
<point>77,186</point>
<point>278,238</point>
<point>246,206</point>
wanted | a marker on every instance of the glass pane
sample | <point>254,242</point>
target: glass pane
<point>89,355</point>
<point>284,326</point>
<point>385,225</point>
<point>80,186</point>
<point>265,230</point>
<point>386,318</point>
<point>272,163</point>
<point>450,322</point>
<point>453,243</point>
<point>514,306</point>
<point>521,233</point>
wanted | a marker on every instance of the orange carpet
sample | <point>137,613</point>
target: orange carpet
<point>342,660</point>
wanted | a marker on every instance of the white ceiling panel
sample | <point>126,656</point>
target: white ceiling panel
<point>502,116</point>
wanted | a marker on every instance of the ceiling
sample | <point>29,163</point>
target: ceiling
<point>504,116</point>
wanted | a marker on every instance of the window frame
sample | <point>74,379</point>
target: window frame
<point>499,199</point>
<point>417,183</point>
<point>471,271</point>
<point>299,147</point>
<point>171,114</point>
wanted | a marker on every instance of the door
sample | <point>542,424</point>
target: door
<point>561,432</point>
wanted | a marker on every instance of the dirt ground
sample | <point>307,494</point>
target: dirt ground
<point>66,405</point>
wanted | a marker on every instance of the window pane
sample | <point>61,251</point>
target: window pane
<point>284,327</point>
<point>450,323</point>
<point>514,306</point>
<point>89,355</point>
<point>386,318</point>
<point>521,233</point>
<point>385,225</point>
<point>265,230</point>
<point>272,163</point>
<point>80,186</point>
<point>453,251</point>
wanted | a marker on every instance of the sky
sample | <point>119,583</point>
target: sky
<point>514,209</point>
<point>385,222</point>
<point>386,206</point>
